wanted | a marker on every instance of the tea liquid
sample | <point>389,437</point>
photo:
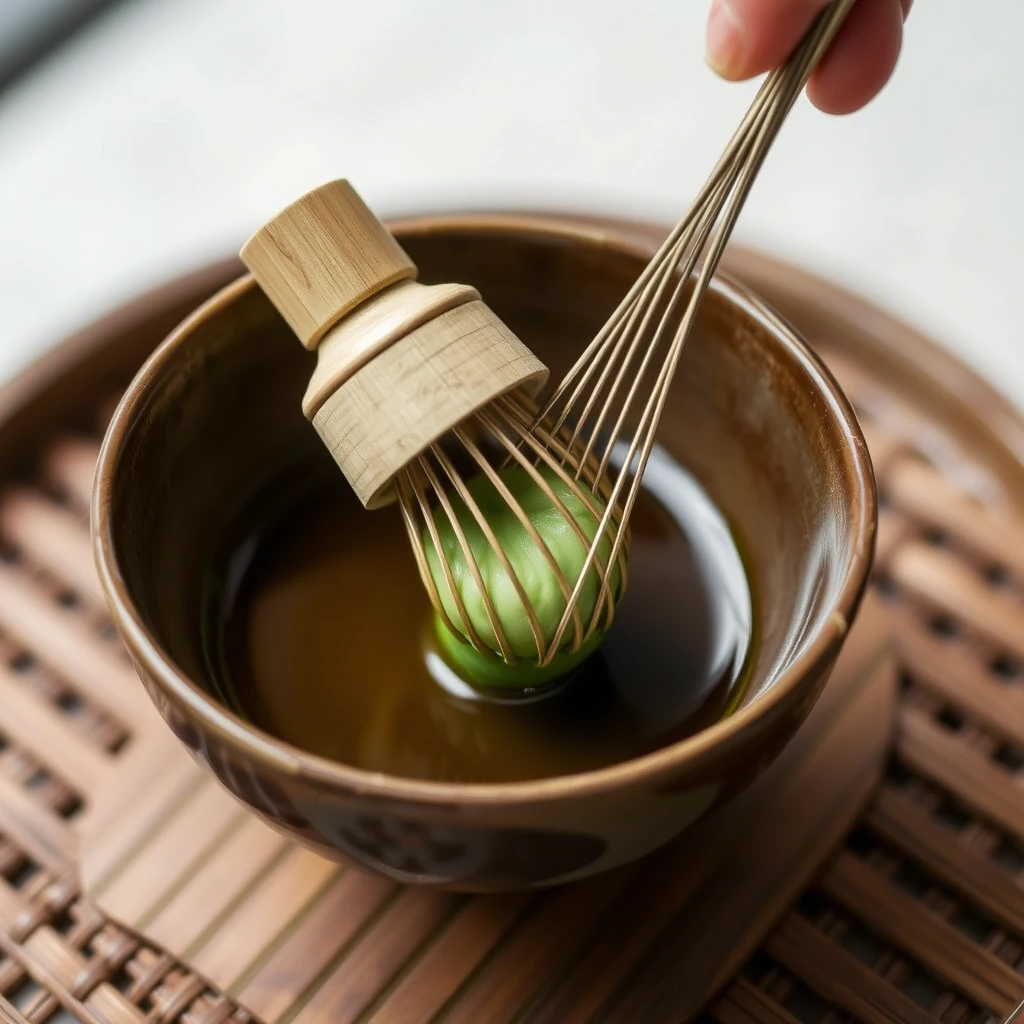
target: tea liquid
<point>323,636</point>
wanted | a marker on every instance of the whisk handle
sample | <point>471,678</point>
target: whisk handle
<point>399,363</point>
<point>322,256</point>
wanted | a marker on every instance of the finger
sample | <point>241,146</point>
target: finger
<point>748,37</point>
<point>861,60</point>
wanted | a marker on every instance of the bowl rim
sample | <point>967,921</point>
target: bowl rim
<point>251,742</point>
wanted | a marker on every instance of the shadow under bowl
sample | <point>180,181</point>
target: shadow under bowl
<point>214,416</point>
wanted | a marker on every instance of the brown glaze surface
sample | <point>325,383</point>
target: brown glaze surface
<point>753,416</point>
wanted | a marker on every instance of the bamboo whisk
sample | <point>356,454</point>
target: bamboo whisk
<point>416,389</point>
<point>608,406</point>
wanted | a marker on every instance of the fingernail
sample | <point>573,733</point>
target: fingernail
<point>724,40</point>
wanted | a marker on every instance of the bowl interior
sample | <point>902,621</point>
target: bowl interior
<point>750,415</point>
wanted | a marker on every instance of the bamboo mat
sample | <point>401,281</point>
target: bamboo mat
<point>918,915</point>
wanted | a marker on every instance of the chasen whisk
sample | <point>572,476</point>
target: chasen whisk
<point>421,393</point>
<point>517,512</point>
<point>612,398</point>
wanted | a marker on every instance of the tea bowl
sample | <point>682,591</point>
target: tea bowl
<point>214,416</point>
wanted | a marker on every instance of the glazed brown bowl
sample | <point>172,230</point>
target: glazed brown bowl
<point>214,416</point>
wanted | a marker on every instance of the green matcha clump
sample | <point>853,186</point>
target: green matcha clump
<point>532,568</point>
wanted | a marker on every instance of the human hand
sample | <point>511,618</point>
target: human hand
<point>749,37</point>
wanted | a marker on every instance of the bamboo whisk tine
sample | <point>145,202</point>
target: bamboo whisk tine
<point>612,398</point>
<point>511,435</point>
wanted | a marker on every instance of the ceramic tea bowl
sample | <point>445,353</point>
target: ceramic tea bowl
<point>215,413</point>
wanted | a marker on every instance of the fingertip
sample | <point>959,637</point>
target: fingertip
<point>746,38</point>
<point>723,48</point>
<point>862,59</point>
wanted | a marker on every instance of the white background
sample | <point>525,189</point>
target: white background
<point>174,127</point>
